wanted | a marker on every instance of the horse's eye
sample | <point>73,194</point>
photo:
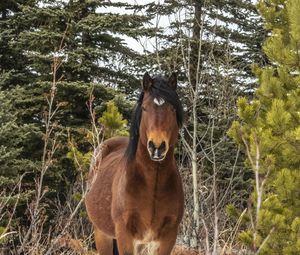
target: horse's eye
<point>143,108</point>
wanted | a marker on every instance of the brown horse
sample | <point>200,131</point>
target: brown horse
<point>136,192</point>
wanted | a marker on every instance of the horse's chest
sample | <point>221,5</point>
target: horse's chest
<point>153,205</point>
<point>147,237</point>
<point>154,200</point>
<point>147,244</point>
<point>152,221</point>
<point>151,210</point>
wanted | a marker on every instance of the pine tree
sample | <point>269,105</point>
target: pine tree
<point>269,131</point>
<point>113,121</point>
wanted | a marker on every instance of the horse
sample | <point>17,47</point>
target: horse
<point>135,195</point>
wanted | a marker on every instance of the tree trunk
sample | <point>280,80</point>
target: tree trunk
<point>195,67</point>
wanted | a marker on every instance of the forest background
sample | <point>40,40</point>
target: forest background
<point>68,79</point>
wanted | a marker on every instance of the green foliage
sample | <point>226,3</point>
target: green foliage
<point>246,237</point>
<point>80,160</point>
<point>13,137</point>
<point>13,162</point>
<point>269,127</point>
<point>113,121</point>
<point>114,125</point>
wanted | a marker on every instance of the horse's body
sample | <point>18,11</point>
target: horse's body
<point>136,193</point>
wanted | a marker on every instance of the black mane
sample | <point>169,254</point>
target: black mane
<point>159,89</point>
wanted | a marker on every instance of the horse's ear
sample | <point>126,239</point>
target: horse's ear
<point>173,81</point>
<point>147,81</point>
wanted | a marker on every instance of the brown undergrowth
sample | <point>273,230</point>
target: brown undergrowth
<point>77,246</point>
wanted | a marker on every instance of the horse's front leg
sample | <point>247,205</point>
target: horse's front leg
<point>125,243</point>
<point>125,239</point>
<point>167,242</point>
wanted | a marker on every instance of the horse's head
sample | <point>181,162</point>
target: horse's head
<point>161,115</point>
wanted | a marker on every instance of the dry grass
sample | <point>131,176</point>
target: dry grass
<point>78,247</point>
<point>183,250</point>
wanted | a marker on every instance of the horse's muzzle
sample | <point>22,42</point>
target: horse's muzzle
<point>157,152</point>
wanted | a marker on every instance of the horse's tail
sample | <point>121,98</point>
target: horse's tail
<point>115,247</point>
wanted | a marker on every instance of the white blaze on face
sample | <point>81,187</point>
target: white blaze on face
<point>159,101</point>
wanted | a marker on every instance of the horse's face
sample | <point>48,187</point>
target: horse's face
<point>158,127</point>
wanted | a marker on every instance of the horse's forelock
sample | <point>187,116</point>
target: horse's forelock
<point>161,89</point>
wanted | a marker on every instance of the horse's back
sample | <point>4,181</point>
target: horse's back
<point>104,165</point>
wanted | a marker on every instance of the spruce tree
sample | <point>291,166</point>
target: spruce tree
<point>15,167</point>
<point>93,56</point>
<point>13,64</point>
<point>269,131</point>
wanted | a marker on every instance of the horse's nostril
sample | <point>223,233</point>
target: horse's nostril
<point>151,145</point>
<point>162,146</point>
